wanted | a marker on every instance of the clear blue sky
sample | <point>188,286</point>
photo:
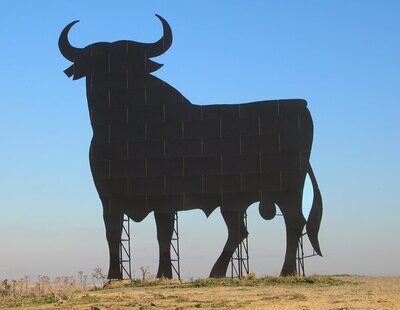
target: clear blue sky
<point>343,57</point>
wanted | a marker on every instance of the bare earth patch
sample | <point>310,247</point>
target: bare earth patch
<point>323,292</point>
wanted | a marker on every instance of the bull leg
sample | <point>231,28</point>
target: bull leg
<point>294,220</point>
<point>113,224</point>
<point>165,227</point>
<point>236,233</point>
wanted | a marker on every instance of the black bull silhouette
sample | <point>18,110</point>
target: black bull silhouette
<point>152,150</point>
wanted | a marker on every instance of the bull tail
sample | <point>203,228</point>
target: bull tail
<point>314,218</point>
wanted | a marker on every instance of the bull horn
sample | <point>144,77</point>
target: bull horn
<point>65,47</point>
<point>162,45</point>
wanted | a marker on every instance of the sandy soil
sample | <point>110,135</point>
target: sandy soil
<point>349,292</point>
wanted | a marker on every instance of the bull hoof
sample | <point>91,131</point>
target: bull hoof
<point>289,272</point>
<point>218,272</point>
<point>165,275</point>
<point>114,275</point>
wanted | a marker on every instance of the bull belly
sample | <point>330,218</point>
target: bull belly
<point>140,195</point>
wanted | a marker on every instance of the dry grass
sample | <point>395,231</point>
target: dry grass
<point>318,292</point>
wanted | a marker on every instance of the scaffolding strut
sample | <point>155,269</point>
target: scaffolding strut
<point>175,256</point>
<point>125,249</point>
<point>300,257</point>
<point>240,258</point>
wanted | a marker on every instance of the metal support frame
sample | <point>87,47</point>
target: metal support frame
<point>125,249</point>
<point>240,258</point>
<point>301,257</point>
<point>175,256</point>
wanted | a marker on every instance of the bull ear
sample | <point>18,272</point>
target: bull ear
<point>70,71</point>
<point>76,74</point>
<point>152,66</point>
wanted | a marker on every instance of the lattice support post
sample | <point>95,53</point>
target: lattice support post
<point>125,249</point>
<point>175,256</point>
<point>300,258</point>
<point>240,258</point>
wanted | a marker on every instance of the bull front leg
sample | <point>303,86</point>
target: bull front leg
<point>165,227</point>
<point>113,224</point>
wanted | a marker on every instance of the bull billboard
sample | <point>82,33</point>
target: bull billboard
<point>154,151</point>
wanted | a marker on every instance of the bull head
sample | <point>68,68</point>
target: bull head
<point>116,57</point>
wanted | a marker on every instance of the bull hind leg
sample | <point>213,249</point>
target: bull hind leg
<point>290,206</point>
<point>113,225</point>
<point>165,227</point>
<point>237,232</point>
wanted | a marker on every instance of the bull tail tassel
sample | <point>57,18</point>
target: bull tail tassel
<point>314,218</point>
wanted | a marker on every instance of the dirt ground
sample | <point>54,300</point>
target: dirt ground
<point>339,293</point>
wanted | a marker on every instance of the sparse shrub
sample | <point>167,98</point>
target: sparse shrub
<point>98,276</point>
<point>50,298</point>
<point>25,286</point>
<point>145,273</point>
<point>250,276</point>
<point>5,288</point>
<point>44,290</point>
<point>82,280</point>
<point>43,285</point>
